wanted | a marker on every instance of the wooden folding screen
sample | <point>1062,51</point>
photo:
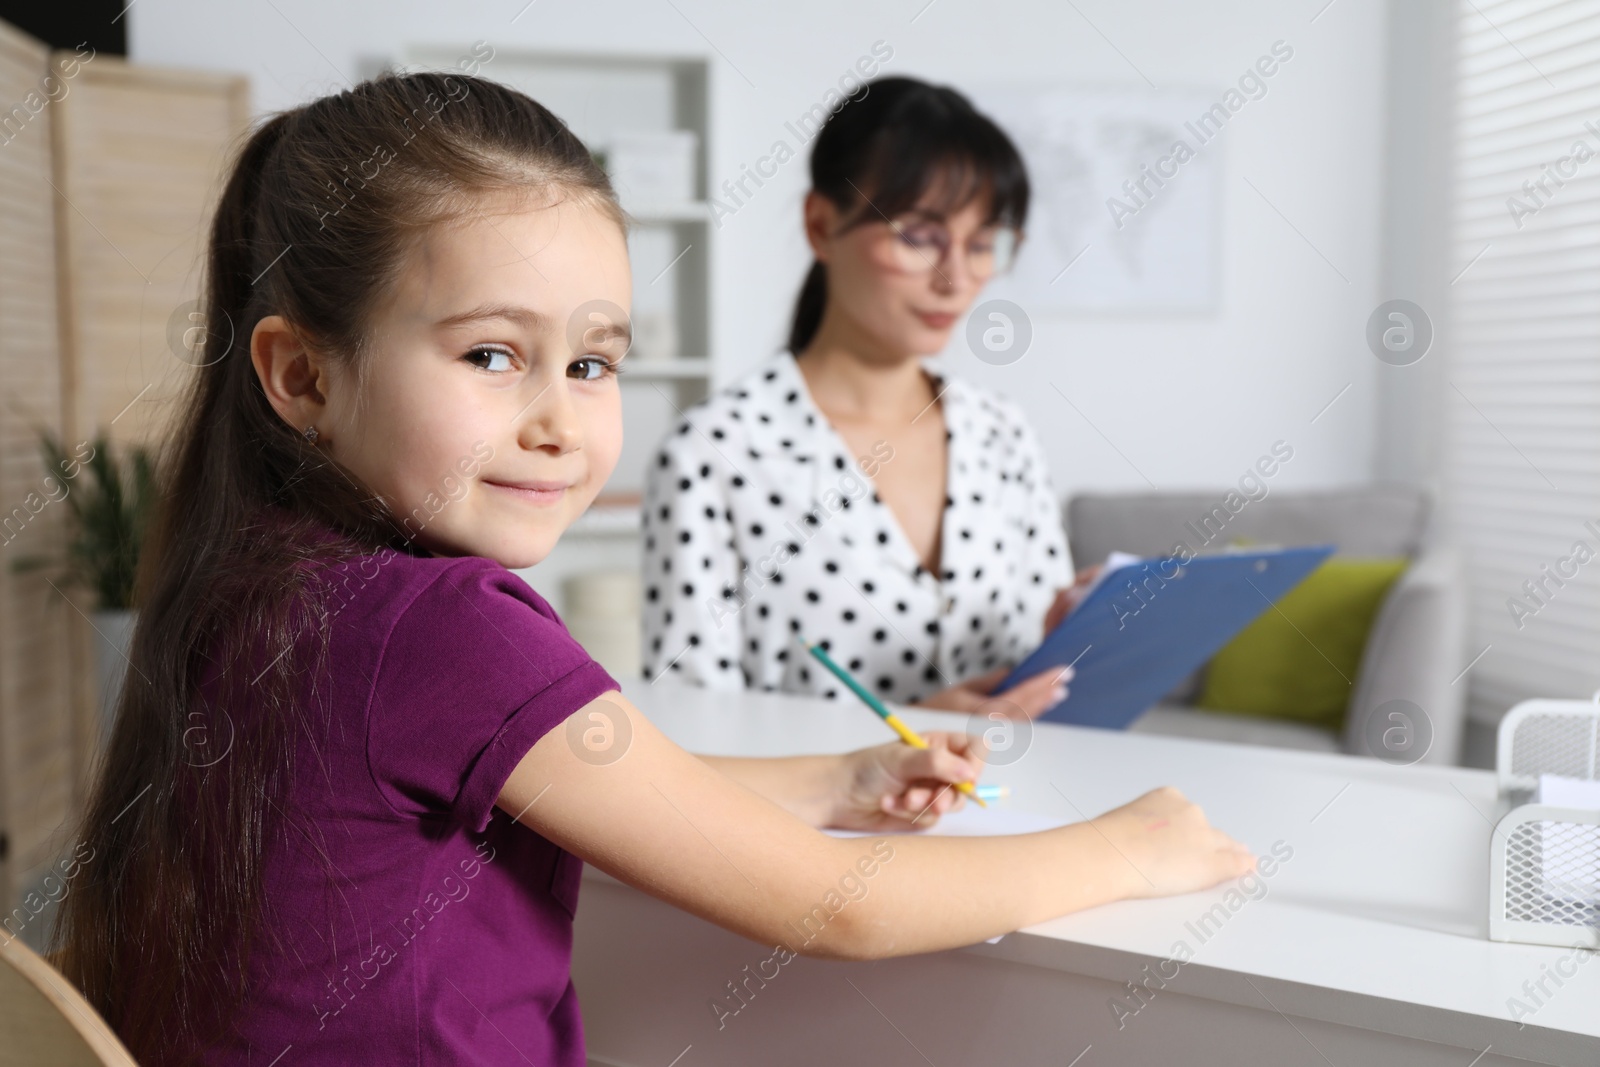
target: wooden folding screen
<point>108,174</point>
<point>37,720</point>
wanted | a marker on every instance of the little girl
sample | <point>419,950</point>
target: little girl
<point>358,764</point>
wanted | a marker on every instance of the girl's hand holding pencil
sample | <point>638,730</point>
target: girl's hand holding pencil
<point>894,786</point>
<point>907,734</point>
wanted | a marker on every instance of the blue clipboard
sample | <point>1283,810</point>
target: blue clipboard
<point>1146,626</point>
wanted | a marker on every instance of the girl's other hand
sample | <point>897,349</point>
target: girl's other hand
<point>894,786</point>
<point>1067,599</point>
<point>1169,847</point>
<point>1027,699</point>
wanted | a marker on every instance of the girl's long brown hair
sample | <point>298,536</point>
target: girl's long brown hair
<point>314,224</point>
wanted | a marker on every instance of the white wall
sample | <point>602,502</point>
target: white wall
<point>1190,401</point>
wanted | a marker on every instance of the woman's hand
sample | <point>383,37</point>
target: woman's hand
<point>1169,847</point>
<point>897,787</point>
<point>1067,599</point>
<point>1027,699</point>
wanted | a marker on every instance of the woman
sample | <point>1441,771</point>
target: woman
<point>845,494</point>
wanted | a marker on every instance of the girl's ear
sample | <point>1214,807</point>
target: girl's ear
<point>293,376</point>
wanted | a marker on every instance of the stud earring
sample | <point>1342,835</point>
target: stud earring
<point>310,434</point>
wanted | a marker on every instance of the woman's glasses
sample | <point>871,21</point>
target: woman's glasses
<point>922,245</point>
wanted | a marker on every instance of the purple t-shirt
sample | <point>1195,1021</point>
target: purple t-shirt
<point>445,936</point>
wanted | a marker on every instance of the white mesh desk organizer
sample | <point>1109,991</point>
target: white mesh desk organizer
<point>1544,859</point>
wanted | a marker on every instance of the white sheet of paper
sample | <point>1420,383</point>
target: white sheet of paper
<point>1569,792</point>
<point>1569,866</point>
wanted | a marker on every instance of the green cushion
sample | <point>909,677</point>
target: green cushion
<point>1299,662</point>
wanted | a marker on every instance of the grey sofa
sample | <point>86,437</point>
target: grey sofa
<point>1416,651</point>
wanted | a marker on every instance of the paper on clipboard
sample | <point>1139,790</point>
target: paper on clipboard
<point>1114,562</point>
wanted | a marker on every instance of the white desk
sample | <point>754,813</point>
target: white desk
<point>1369,947</point>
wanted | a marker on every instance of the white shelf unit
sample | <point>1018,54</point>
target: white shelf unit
<point>671,246</point>
<point>692,369</point>
<point>695,211</point>
<point>607,520</point>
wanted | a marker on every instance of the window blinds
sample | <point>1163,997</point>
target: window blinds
<point>1521,466</point>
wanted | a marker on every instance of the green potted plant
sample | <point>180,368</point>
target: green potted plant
<point>110,502</point>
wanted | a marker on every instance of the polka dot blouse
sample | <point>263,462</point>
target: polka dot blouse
<point>760,526</point>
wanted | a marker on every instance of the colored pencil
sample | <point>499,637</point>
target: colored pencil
<point>907,734</point>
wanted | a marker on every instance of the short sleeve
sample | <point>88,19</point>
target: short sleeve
<point>476,669</point>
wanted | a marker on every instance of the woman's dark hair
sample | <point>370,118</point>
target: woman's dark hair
<point>887,147</point>
<point>315,223</point>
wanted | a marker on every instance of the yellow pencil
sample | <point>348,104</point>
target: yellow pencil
<point>907,734</point>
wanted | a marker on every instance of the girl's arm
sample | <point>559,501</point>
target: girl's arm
<point>804,786</point>
<point>669,824</point>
